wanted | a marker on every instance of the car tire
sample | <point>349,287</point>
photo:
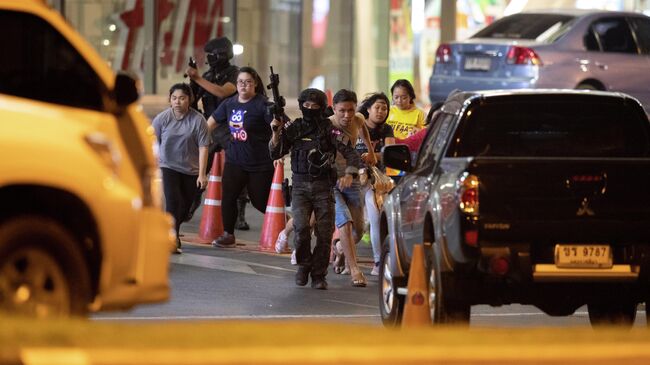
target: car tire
<point>621,313</point>
<point>391,304</point>
<point>586,86</point>
<point>443,306</point>
<point>42,272</point>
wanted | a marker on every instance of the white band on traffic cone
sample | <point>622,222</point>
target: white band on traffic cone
<point>274,210</point>
<point>276,186</point>
<point>214,178</point>
<point>212,202</point>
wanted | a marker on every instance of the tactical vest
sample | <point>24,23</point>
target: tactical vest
<point>312,154</point>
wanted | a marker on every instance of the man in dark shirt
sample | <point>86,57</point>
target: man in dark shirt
<point>313,143</point>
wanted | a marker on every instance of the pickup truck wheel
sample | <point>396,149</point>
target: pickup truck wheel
<point>612,313</point>
<point>391,304</point>
<point>443,308</point>
<point>42,273</point>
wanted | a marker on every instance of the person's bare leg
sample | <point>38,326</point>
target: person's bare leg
<point>350,250</point>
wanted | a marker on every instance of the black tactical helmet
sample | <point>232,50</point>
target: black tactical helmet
<point>315,96</point>
<point>221,46</point>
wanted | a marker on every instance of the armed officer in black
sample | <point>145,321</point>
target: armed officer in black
<point>313,142</point>
<point>215,85</point>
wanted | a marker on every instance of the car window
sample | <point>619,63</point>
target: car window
<point>526,26</point>
<point>435,140</point>
<point>614,35</point>
<point>641,27</point>
<point>591,42</point>
<point>40,64</point>
<point>559,128</point>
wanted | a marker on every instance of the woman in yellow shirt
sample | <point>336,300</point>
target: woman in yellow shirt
<point>405,118</point>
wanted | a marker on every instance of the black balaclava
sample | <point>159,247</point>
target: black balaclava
<point>218,52</point>
<point>315,96</point>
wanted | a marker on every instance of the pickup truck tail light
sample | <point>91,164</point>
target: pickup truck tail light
<point>443,53</point>
<point>518,55</point>
<point>469,195</point>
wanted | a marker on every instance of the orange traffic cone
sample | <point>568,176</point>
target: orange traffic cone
<point>328,93</point>
<point>211,223</point>
<point>274,217</point>
<point>416,306</point>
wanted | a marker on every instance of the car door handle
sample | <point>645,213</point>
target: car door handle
<point>602,66</point>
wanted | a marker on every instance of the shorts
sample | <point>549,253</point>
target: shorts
<point>349,206</point>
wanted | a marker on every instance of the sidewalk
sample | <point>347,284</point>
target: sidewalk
<point>249,240</point>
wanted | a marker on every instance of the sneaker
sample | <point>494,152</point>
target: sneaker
<point>281,243</point>
<point>177,250</point>
<point>302,275</point>
<point>319,283</point>
<point>226,240</point>
<point>293,258</point>
<point>375,270</point>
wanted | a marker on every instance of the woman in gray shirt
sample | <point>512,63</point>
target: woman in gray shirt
<point>183,139</point>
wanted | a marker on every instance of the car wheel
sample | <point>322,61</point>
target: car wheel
<point>612,313</point>
<point>586,86</point>
<point>42,273</point>
<point>444,309</point>
<point>391,304</point>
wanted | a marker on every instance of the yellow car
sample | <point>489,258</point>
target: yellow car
<point>82,227</point>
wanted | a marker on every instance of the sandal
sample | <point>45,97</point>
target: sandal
<point>359,280</point>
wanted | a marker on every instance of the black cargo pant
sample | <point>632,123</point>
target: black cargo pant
<point>307,197</point>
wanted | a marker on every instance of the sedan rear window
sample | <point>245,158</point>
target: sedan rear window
<point>541,27</point>
<point>577,128</point>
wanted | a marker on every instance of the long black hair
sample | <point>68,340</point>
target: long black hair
<point>370,100</point>
<point>259,85</point>
<point>406,84</point>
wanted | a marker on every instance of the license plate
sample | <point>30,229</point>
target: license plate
<point>583,256</point>
<point>478,63</point>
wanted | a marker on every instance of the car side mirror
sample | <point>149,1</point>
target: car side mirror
<point>397,156</point>
<point>126,90</point>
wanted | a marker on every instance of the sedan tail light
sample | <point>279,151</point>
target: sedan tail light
<point>443,53</point>
<point>518,55</point>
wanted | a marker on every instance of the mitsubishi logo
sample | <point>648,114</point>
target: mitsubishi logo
<point>584,209</point>
<point>587,186</point>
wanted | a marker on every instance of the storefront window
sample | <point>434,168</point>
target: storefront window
<point>118,31</point>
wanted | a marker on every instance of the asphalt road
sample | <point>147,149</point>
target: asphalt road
<point>243,283</point>
<point>240,306</point>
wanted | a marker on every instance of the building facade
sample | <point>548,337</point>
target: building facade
<point>330,44</point>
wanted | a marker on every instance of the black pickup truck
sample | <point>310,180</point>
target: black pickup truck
<point>533,197</point>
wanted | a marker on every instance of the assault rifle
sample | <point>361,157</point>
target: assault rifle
<point>277,109</point>
<point>191,64</point>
